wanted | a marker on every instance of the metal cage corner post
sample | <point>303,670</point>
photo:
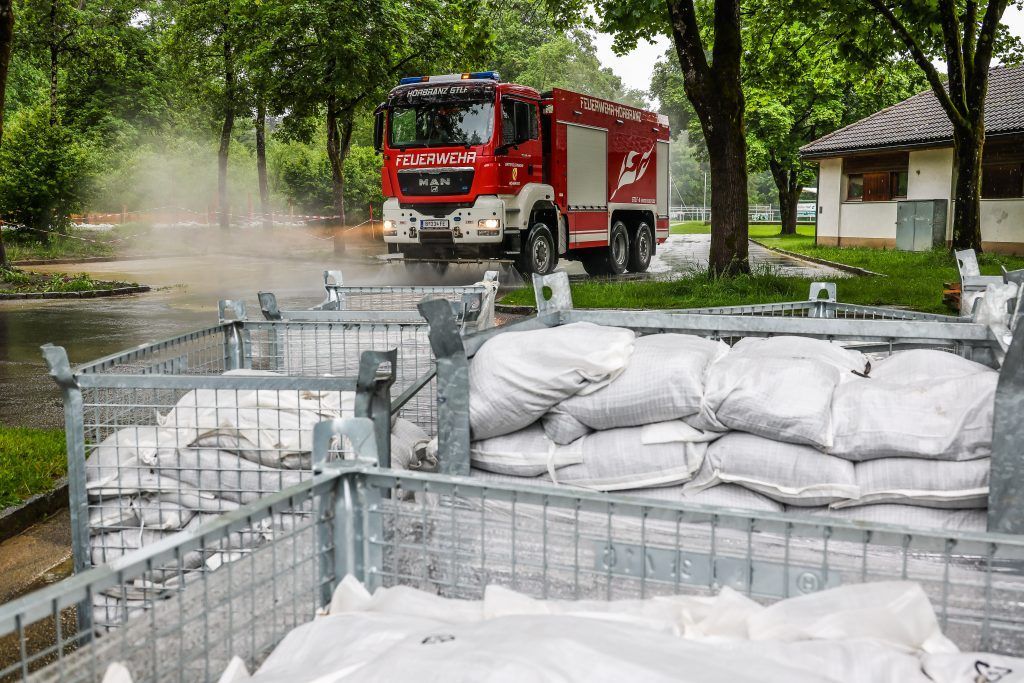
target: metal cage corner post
<point>1006,479</point>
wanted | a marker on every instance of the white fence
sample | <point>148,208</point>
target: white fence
<point>756,213</point>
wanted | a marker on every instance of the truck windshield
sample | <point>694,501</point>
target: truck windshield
<point>439,124</point>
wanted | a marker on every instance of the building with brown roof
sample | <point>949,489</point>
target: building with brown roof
<point>887,180</point>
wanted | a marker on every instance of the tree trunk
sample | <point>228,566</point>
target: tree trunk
<point>729,204</point>
<point>716,94</point>
<point>54,56</point>
<point>261,162</point>
<point>786,182</point>
<point>968,146</point>
<point>224,209</point>
<point>339,136</point>
<point>6,39</point>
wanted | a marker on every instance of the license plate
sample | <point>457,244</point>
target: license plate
<point>434,223</point>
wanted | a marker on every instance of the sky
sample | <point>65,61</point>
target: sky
<point>635,68</point>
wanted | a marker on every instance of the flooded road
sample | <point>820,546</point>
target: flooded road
<point>186,289</point>
<point>185,293</point>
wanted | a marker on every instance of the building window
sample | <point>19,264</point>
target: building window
<point>879,186</point>
<point>1002,181</point>
<point>855,188</point>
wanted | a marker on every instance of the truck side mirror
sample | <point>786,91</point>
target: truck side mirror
<point>378,130</point>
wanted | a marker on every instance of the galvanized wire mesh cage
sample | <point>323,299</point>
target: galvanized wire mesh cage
<point>163,436</point>
<point>342,297</point>
<point>453,536</point>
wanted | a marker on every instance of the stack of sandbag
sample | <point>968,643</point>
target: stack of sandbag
<point>212,452</point>
<point>590,406</point>
<point>768,424</point>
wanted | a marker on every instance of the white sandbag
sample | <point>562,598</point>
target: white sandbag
<point>563,428</point>
<point>270,420</point>
<point>917,365</point>
<point>944,418</point>
<point>228,438</point>
<point>848,661</point>
<point>617,460</point>
<point>897,613</point>
<point>915,481</point>
<point>787,473</point>
<point>525,453</point>
<point>133,479</point>
<point>111,513</point>
<point>117,673</point>
<point>731,496</point>
<point>723,495</point>
<point>516,377</point>
<point>154,513</point>
<point>784,346</point>
<point>134,446</point>
<point>912,516</point>
<point>972,667</point>
<point>226,474</point>
<point>778,387</point>
<point>557,648</point>
<point>664,380</point>
<point>786,399</point>
<point>409,447</point>
<point>108,547</point>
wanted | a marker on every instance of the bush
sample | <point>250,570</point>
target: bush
<point>46,171</point>
<point>302,172</point>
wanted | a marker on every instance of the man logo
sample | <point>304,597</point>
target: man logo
<point>435,183</point>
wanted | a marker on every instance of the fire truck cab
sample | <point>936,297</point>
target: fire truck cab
<point>479,169</point>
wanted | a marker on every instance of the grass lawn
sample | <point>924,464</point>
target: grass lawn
<point>27,246</point>
<point>907,279</point>
<point>31,460</point>
<point>15,280</point>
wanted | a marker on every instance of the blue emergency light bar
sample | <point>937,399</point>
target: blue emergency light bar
<point>485,75</point>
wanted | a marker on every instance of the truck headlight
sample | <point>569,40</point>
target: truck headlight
<point>389,229</point>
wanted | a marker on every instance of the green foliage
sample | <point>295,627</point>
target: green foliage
<point>31,462</point>
<point>46,171</point>
<point>362,182</point>
<point>563,62</point>
<point>302,173</point>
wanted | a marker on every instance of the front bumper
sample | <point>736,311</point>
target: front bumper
<point>463,224</point>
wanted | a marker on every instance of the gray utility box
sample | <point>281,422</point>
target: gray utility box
<point>920,224</point>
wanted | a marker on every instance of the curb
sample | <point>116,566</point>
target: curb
<point>87,294</point>
<point>16,519</point>
<point>820,261</point>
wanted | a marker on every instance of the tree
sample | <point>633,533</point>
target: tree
<point>203,41</point>
<point>714,89</point>
<point>6,39</point>
<point>337,59</point>
<point>801,82</point>
<point>966,35</point>
<point>565,62</point>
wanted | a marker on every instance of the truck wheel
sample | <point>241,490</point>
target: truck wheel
<point>538,255</point>
<point>641,249</point>
<point>610,260</point>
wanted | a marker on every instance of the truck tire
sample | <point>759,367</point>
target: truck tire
<point>641,249</point>
<point>539,254</point>
<point>610,260</point>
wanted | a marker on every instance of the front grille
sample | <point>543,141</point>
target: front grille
<point>435,182</point>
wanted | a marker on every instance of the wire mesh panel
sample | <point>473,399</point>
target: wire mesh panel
<point>341,297</point>
<point>454,536</point>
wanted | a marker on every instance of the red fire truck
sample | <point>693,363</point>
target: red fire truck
<point>479,169</point>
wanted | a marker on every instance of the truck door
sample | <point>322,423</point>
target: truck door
<point>521,158</point>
